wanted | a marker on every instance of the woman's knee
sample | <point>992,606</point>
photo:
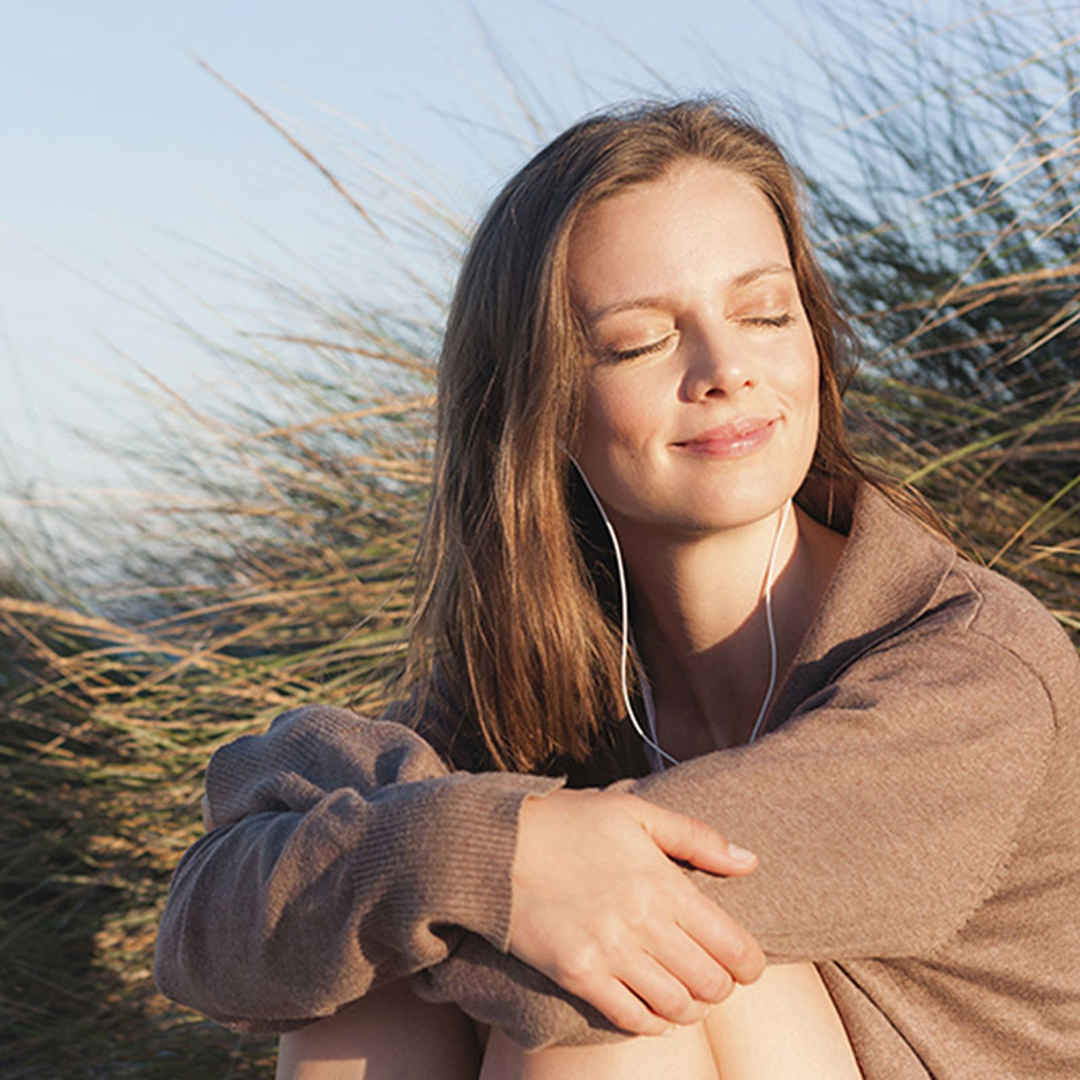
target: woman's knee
<point>783,1026</point>
<point>685,1053</point>
<point>388,1034</point>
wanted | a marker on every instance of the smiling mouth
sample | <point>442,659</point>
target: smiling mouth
<point>731,440</point>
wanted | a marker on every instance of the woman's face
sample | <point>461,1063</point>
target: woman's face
<point>702,400</point>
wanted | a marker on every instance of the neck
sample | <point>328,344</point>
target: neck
<point>700,620</point>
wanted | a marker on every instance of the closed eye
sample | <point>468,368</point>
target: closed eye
<point>774,321</point>
<point>640,350</point>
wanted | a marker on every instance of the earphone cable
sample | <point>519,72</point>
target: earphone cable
<point>625,623</point>
<point>625,630</point>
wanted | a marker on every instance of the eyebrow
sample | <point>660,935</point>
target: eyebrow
<point>740,281</point>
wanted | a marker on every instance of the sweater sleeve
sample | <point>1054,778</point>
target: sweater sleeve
<point>340,854</point>
<point>883,813</point>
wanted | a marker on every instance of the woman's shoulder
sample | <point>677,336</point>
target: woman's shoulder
<point>898,581</point>
<point>1001,610</point>
<point>959,596</point>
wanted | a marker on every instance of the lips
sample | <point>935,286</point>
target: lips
<point>737,437</point>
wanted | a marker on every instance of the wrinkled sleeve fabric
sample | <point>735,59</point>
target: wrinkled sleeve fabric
<point>883,813</point>
<point>340,854</point>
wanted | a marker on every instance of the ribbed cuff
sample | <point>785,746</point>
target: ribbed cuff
<point>446,848</point>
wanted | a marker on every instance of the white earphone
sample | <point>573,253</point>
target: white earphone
<point>652,743</point>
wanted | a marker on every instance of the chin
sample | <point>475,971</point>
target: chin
<point>734,512</point>
<point>702,520</point>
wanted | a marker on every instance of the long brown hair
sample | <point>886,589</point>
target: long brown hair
<point>510,633</point>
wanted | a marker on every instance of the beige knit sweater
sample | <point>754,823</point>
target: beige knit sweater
<point>916,810</point>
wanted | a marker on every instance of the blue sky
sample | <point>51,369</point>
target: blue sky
<point>139,194</point>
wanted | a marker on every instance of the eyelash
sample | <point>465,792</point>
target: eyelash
<point>772,322</point>
<point>641,350</point>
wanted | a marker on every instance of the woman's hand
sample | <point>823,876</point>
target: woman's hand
<point>600,908</point>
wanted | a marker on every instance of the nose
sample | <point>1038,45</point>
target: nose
<point>716,366</point>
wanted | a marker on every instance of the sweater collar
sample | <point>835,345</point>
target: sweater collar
<point>887,576</point>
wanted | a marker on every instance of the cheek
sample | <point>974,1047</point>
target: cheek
<point>800,387</point>
<point>614,416</point>
<point>810,391</point>
<point>804,377</point>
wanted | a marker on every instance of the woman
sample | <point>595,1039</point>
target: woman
<point>640,315</point>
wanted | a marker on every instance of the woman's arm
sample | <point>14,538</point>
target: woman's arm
<point>340,854</point>
<point>877,812</point>
<point>883,814</point>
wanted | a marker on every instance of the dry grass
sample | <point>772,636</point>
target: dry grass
<point>285,579</point>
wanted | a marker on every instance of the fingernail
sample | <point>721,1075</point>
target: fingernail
<point>740,854</point>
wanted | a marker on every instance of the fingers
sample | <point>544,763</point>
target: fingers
<point>692,841</point>
<point>664,994</point>
<point>649,1002</point>
<point>727,942</point>
<point>613,920</point>
<point>644,986</point>
<point>620,1005</point>
<point>647,996</point>
<point>703,978</point>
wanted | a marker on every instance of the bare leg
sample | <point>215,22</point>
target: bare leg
<point>684,1053</point>
<point>784,1026</point>
<point>389,1035</point>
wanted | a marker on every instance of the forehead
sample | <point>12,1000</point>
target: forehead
<point>699,225</point>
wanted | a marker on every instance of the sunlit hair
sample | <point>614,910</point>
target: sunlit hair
<point>510,634</point>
